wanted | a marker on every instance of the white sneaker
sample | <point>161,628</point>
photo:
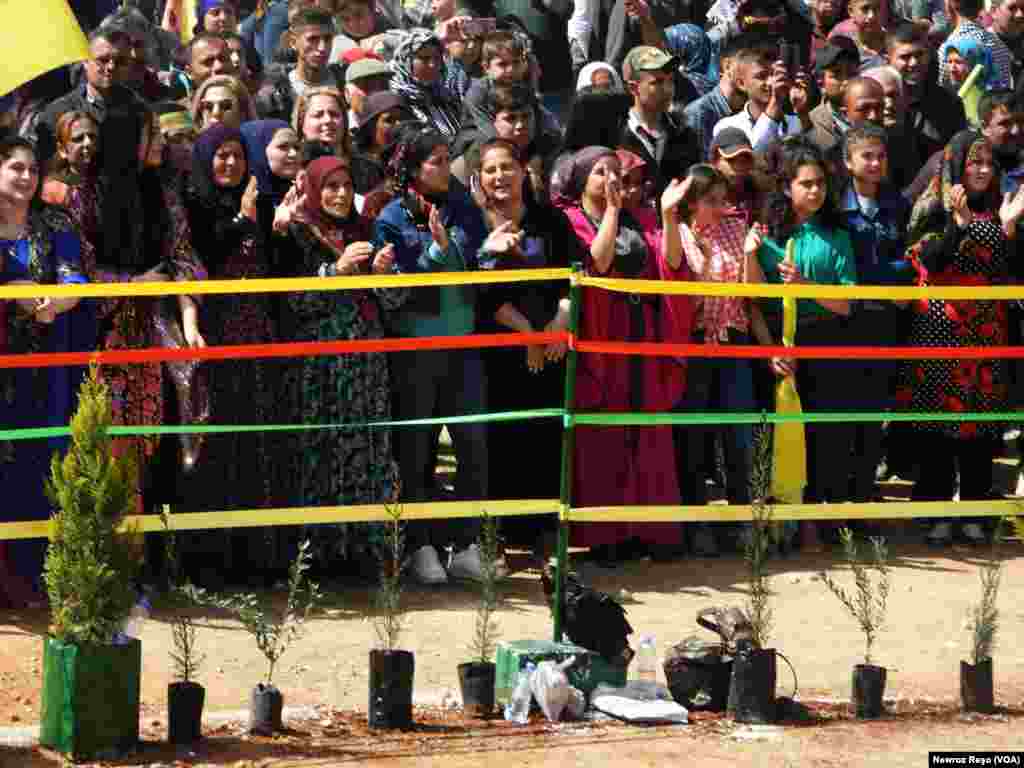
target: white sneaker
<point>467,565</point>
<point>973,533</point>
<point>426,566</point>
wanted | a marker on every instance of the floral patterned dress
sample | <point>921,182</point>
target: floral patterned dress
<point>960,385</point>
<point>134,323</point>
<point>338,466</point>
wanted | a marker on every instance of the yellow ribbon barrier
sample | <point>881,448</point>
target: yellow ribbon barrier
<point>249,518</point>
<point>278,284</point>
<point>733,513</point>
<point>778,291</point>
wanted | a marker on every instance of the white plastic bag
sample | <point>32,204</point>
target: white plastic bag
<point>550,687</point>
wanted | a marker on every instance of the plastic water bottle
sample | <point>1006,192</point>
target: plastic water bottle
<point>518,709</point>
<point>647,660</point>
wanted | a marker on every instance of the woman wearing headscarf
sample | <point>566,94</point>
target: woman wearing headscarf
<point>418,75</point>
<point>435,227</point>
<point>961,231</point>
<point>622,465</point>
<point>373,140</point>
<point>140,233</point>
<point>699,60</point>
<point>221,99</point>
<point>236,470</point>
<point>963,54</point>
<point>272,152</point>
<point>39,246</point>
<point>352,466</point>
<point>600,76</point>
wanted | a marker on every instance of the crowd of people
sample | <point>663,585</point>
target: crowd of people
<point>759,141</point>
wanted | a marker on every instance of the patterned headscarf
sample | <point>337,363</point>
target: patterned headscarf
<point>932,210</point>
<point>433,104</point>
<point>256,136</point>
<point>974,53</point>
<point>693,46</point>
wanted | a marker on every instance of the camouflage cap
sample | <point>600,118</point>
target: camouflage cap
<point>647,58</point>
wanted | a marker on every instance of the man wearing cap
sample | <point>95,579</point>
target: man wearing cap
<point>767,85</point>
<point>669,147</point>
<point>836,63</point>
<point>363,78</point>
<point>733,157</point>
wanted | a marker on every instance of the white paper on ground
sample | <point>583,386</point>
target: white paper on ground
<point>633,711</point>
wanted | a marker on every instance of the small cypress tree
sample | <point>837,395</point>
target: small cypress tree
<point>90,564</point>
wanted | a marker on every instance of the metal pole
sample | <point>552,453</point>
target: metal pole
<point>568,442</point>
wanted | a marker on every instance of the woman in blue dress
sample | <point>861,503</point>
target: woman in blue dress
<point>38,245</point>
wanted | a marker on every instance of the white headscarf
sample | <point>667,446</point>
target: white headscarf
<point>586,78</point>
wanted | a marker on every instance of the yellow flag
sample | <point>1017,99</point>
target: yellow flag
<point>35,37</point>
<point>970,94</point>
<point>189,19</point>
<point>789,450</point>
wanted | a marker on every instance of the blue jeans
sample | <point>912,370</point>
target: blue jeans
<point>724,385</point>
<point>427,384</point>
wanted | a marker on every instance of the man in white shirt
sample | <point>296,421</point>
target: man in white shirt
<point>763,119</point>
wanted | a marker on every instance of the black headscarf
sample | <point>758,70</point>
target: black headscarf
<point>135,223</point>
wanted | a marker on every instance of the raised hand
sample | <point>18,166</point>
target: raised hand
<point>613,190</point>
<point>674,194</point>
<point>248,207</point>
<point>384,260</point>
<point>437,230</point>
<point>1013,206</point>
<point>961,211</point>
<point>353,255</point>
<point>503,238</point>
<point>755,238</point>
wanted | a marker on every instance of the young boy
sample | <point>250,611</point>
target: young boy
<point>864,28</point>
<point>876,215</point>
<point>357,20</point>
<point>836,64</point>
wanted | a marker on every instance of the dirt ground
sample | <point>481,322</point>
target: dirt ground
<point>922,647</point>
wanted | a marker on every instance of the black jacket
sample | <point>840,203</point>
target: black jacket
<point>275,99</point>
<point>681,151</point>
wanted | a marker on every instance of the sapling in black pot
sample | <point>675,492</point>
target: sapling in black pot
<point>274,633</point>
<point>476,678</point>
<point>391,670</point>
<point>752,689</point>
<point>977,693</point>
<point>185,697</point>
<point>867,605</point>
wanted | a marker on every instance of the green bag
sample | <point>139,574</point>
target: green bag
<point>590,671</point>
<point>90,703</point>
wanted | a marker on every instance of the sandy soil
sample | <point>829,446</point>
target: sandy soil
<point>925,640</point>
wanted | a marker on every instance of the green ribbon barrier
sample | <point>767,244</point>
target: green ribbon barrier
<point>37,433</point>
<point>655,419</point>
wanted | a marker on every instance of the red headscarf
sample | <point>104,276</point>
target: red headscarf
<point>353,227</point>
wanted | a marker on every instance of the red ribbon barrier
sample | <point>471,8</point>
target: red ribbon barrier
<point>656,349</point>
<point>294,349</point>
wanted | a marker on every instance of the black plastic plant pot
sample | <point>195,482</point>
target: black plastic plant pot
<point>476,678</point>
<point>391,676</point>
<point>752,691</point>
<point>185,712</point>
<point>868,690</point>
<point>265,707</point>
<point>700,684</point>
<point>976,689</point>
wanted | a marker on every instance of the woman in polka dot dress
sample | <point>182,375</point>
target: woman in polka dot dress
<point>959,228</point>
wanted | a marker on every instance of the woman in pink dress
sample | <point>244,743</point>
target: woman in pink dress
<point>619,466</point>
